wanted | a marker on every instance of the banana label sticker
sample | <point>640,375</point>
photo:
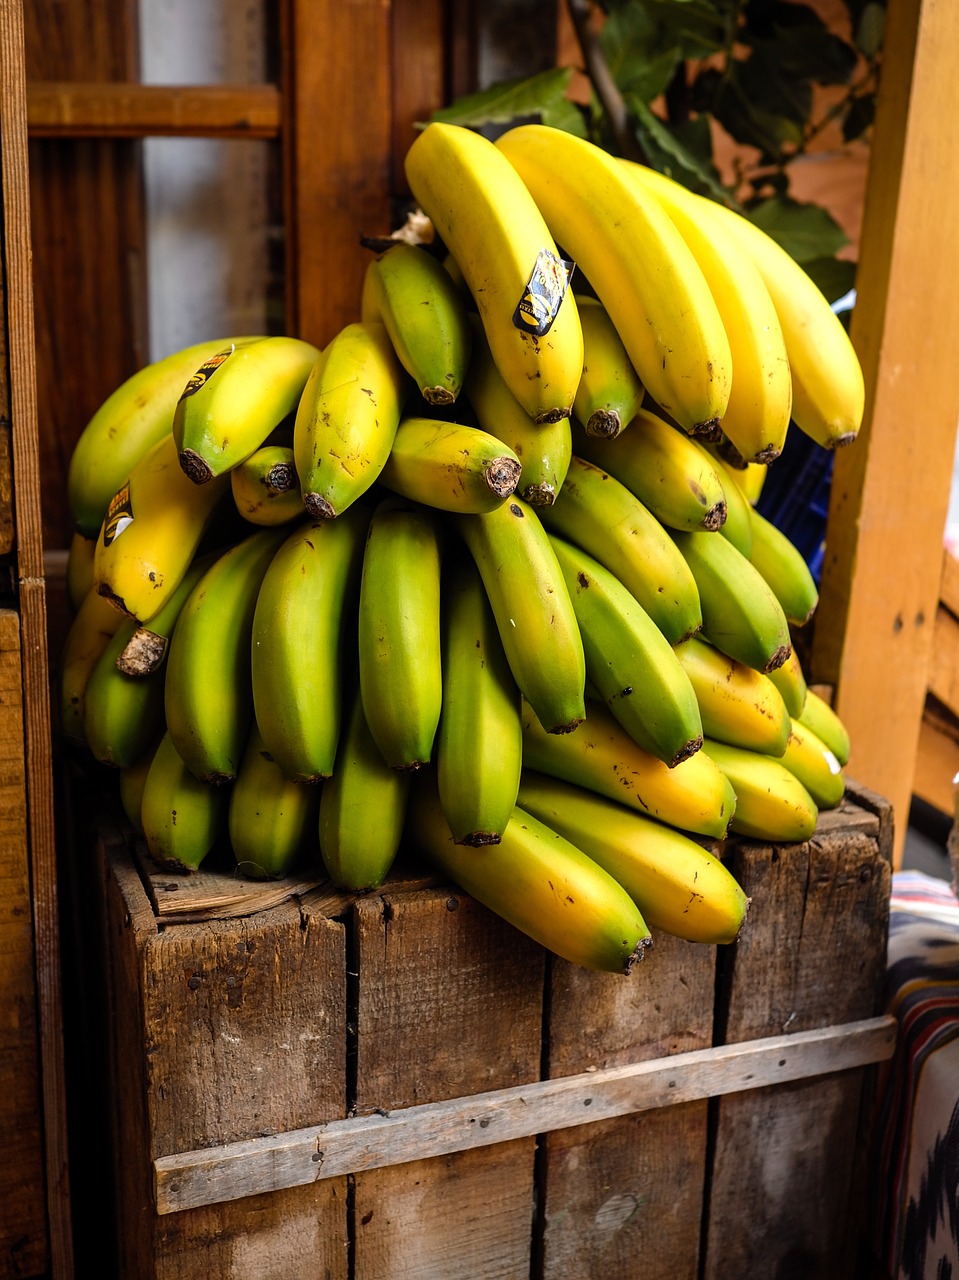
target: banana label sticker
<point>206,371</point>
<point>119,515</point>
<point>539,305</point>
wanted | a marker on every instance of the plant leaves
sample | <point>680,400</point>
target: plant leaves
<point>834,276</point>
<point>796,41</point>
<point>541,97</point>
<point>641,57</point>
<point>870,28</point>
<point>859,117</point>
<point>759,109</point>
<point>684,154</point>
<point>805,231</point>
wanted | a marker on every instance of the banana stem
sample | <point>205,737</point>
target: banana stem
<point>602,81</point>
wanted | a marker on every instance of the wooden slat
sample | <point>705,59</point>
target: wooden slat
<point>949,583</point>
<point>937,764</point>
<point>118,110</point>
<point>942,680</point>
<point>888,504</point>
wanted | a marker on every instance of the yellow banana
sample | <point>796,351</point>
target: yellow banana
<point>602,516</point>
<point>146,646</point>
<point>151,532</point>
<point>814,764</point>
<point>479,746</point>
<point>89,633</point>
<point>538,882</point>
<point>132,781</point>
<point>760,395</point>
<point>490,223</point>
<point>408,290</point>
<point>122,714</point>
<point>450,466</point>
<point>609,392</point>
<point>303,629</point>
<point>680,887</point>
<point>785,570</point>
<point>347,418</point>
<point>398,631</point>
<point>638,265</point>
<point>534,614</point>
<point>271,821</point>
<point>737,704</point>
<point>266,488</point>
<point>629,661</point>
<point>236,399</point>
<point>79,573</point>
<point>737,526</point>
<point>821,719</point>
<point>790,680</point>
<point>771,802</point>
<point>181,817</point>
<point>601,756</point>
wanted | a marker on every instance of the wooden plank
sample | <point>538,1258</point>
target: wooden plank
<point>937,765</point>
<point>419,42</point>
<point>949,583</point>
<point>942,680</point>
<point>117,110</point>
<point>888,504</point>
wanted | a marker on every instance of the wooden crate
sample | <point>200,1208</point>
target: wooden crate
<point>401,1085</point>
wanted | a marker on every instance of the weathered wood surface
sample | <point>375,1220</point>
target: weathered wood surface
<point>937,761</point>
<point>131,110</point>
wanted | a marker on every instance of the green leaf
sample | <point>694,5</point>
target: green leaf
<point>871,28</point>
<point>805,231</point>
<point>834,276</point>
<point>798,44</point>
<point>700,27</point>
<point>541,97</point>
<point>859,117</point>
<point>641,57</point>
<point>759,110</point>
<point>684,154</point>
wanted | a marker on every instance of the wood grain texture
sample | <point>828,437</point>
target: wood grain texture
<point>117,110</point>
<point>937,762</point>
<point>942,680</point>
<point>420,32</point>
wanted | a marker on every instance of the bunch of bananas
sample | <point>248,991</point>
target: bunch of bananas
<point>485,574</point>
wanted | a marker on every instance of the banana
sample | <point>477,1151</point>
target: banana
<point>737,526</point>
<point>809,759</point>
<point>737,704</point>
<point>235,400</point>
<point>303,631</point>
<point>599,514</point>
<point>479,746</point>
<point>785,570</point>
<point>89,633</point>
<point>135,417</point>
<point>760,396</point>
<point>398,631</point>
<point>638,265</point>
<point>609,392</point>
<point>679,484</point>
<point>629,661</point>
<point>601,756</point>
<point>362,808</point>
<point>122,714</point>
<point>538,882</point>
<point>151,531</point>
<point>741,616</point>
<point>771,802</point>
<point>680,887</point>
<point>181,817</point>
<point>266,488</point>
<point>490,223</point>
<point>543,448</point>
<point>534,614</point>
<point>347,418</point>
<point>79,572</point>
<point>146,647</point>
<point>132,781</point>
<point>450,466</point>
<point>821,719</point>
<point>790,680</point>
<point>208,697</point>
<point>407,289</point>
<point>271,821</point>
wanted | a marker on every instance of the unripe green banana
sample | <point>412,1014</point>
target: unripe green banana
<point>122,714</point>
<point>741,616</point>
<point>790,680</point>
<point>738,704</point>
<point>132,781</point>
<point>737,526</point>
<point>601,756</point>
<point>815,765</point>
<point>599,514</point>
<point>680,887</point>
<point>266,488</point>
<point>629,661</point>
<point>271,820</point>
<point>610,392</point>
<point>146,647</point>
<point>79,573</point>
<point>303,629</point>
<point>235,400</point>
<point>347,418</point>
<point>534,614</point>
<point>408,290</point>
<point>479,745</point>
<point>450,466</point>
<point>818,716</point>
<point>362,808</point>
<point>784,567</point>
<point>538,882</point>
<point>89,633</point>
<point>181,817</point>
<point>208,693</point>
<point>771,802</point>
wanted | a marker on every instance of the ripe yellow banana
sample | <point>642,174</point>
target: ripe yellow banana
<point>181,817</point>
<point>784,568</point>
<point>479,745</point>
<point>408,290</point>
<point>639,266</point>
<point>79,573</point>
<point>151,532</point>
<point>89,633</point>
<point>122,714</point>
<point>601,756</point>
<point>347,418</point>
<point>680,887</point>
<point>271,821</point>
<point>737,526</point>
<point>818,716</point>
<point>534,614</point>
<point>760,396</point>
<point>737,704</point>
<point>398,631</point>
<point>790,680</point>
<point>538,882</point>
<point>450,466</point>
<point>814,764</point>
<point>146,648</point>
<point>304,627</point>
<point>266,488</point>
<point>629,662</point>
<point>602,516</point>
<point>490,223</point>
<point>771,802</point>
<point>236,399</point>
<point>609,392</point>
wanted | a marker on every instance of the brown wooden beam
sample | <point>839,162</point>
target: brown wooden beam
<point>128,110</point>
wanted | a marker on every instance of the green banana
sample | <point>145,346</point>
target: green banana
<point>680,887</point>
<point>629,661</point>
<point>771,802</point>
<point>88,635</point>
<point>271,821</point>
<point>790,680</point>
<point>181,817</point>
<point>818,716</point>
<point>146,647</point>
<point>785,569</point>
<point>814,764</point>
<point>609,393</point>
<point>450,466</point>
<point>738,526</point>
<point>132,780</point>
<point>266,488</point>
<point>79,572</point>
<point>122,714</point>
<point>737,704</point>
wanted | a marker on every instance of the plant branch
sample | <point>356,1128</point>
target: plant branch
<point>602,81</point>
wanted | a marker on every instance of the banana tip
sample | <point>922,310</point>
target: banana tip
<point>318,507</point>
<point>552,415</point>
<point>604,424</point>
<point>197,468</point>
<point>778,658</point>
<point>715,517</point>
<point>638,952</point>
